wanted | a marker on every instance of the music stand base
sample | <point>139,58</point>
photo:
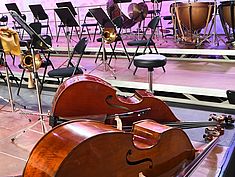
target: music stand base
<point>106,68</point>
<point>21,132</point>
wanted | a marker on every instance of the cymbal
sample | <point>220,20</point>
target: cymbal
<point>138,12</point>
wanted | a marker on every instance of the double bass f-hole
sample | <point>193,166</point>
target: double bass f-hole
<point>109,98</point>
<point>137,162</point>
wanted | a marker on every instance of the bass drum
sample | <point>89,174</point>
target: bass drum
<point>227,18</point>
<point>189,20</point>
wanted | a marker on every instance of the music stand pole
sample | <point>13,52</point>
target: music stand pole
<point>40,119</point>
<point>36,78</point>
<point>8,83</point>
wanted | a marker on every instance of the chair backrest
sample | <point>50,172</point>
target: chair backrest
<point>118,21</point>
<point>38,12</point>
<point>69,5</point>
<point>79,49</point>
<point>154,23</point>
<point>36,26</point>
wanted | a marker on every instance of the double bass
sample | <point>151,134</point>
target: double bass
<point>90,96</point>
<point>86,148</point>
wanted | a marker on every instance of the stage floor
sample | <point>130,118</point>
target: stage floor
<point>195,78</point>
<point>190,77</point>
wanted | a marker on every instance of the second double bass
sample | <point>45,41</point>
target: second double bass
<point>87,95</point>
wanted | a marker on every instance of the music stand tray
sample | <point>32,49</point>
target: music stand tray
<point>38,11</point>
<point>13,7</point>
<point>102,18</point>
<point>66,17</point>
<point>42,43</point>
<point>67,4</point>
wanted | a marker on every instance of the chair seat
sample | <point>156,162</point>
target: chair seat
<point>89,24</point>
<point>64,72</point>
<point>150,61</point>
<point>139,43</point>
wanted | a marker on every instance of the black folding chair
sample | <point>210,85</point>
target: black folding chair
<point>71,69</point>
<point>118,21</point>
<point>146,41</point>
<point>41,16</point>
<point>86,24</point>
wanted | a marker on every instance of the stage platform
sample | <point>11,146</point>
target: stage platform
<point>194,76</point>
<point>191,80</point>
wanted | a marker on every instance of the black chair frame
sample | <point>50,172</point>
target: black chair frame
<point>145,41</point>
<point>70,69</point>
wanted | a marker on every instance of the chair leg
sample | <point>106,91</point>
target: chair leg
<point>135,70</point>
<point>58,34</point>
<point>97,56</point>
<point>164,69</point>
<point>96,28</point>
<point>21,80</point>
<point>11,73</point>
<point>89,35</point>
<point>124,47</point>
<point>133,57</point>
<point>113,52</point>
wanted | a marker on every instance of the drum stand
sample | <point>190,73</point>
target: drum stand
<point>40,119</point>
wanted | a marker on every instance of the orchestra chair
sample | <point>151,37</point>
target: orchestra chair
<point>146,40</point>
<point>70,69</point>
<point>36,26</point>
<point>61,25</point>
<point>118,22</point>
<point>150,61</point>
<point>18,28</point>
<point>87,25</point>
<point>41,16</point>
<point>156,11</point>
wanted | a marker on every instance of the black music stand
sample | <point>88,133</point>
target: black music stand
<point>37,42</point>
<point>68,20</point>
<point>67,4</point>
<point>73,11</point>
<point>39,15</point>
<point>104,22</point>
<point>14,7</point>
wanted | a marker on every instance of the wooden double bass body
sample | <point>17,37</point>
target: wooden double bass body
<point>85,148</point>
<point>86,95</point>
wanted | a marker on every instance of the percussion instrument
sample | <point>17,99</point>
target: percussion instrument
<point>227,18</point>
<point>138,12</point>
<point>192,18</point>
